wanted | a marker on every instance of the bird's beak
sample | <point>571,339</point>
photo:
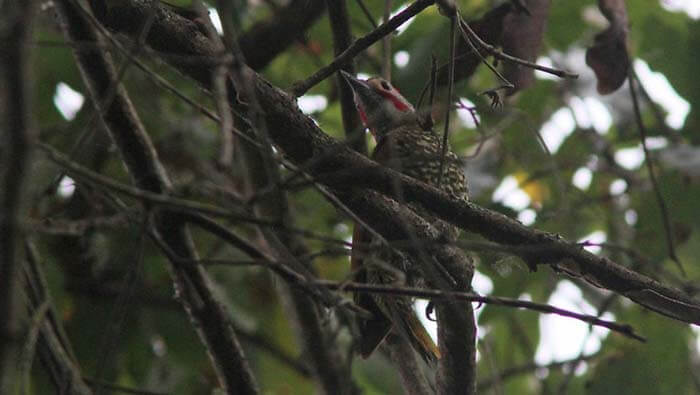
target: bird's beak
<point>354,83</point>
<point>364,94</point>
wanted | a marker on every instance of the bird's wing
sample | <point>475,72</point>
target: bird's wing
<point>374,330</point>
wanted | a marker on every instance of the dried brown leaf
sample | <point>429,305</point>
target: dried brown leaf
<point>608,56</point>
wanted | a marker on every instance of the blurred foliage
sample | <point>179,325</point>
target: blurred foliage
<point>135,334</point>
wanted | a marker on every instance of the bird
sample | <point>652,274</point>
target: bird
<point>405,145</point>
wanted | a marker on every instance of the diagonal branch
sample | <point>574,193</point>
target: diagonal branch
<point>301,140</point>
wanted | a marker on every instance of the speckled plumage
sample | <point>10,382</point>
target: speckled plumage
<point>416,152</point>
<point>405,146</point>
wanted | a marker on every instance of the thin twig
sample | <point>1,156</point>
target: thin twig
<point>468,37</point>
<point>225,158</point>
<point>386,44</point>
<point>76,227</point>
<point>224,233</point>
<point>368,14</point>
<point>448,107</point>
<point>668,230</point>
<point>430,87</point>
<point>658,112</point>
<point>301,87</point>
<point>498,54</point>
<point>439,294</point>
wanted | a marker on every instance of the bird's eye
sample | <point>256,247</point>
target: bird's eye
<point>386,85</point>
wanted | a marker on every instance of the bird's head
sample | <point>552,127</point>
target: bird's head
<point>380,105</point>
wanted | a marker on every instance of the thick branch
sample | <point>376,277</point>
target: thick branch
<point>15,109</point>
<point>302,141</point>
<point>456,329</point>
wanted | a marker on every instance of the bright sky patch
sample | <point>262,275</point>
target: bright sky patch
<point>67,101</point>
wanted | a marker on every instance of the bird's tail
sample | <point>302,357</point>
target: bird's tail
<point>418,336</point>
<point>409,327</point>
<point>396,314</point>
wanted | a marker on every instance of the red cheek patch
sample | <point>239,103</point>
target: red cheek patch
<point>398,104</point>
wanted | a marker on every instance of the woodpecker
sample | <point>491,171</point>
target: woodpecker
<point>406,146</point>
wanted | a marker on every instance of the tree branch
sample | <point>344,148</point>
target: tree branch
<point>503,56</point>
<point>302,141</point>
<point>438,294</point>
<point>16,18</point>
<point>456,329</point>
<point>663,209</point>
